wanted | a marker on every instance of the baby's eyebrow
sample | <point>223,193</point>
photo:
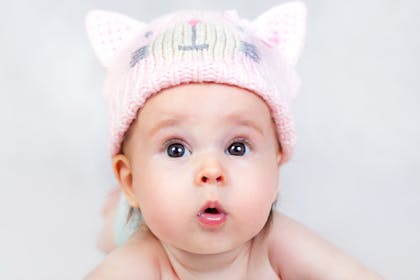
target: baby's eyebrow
<point>167,122</point>
<point>241,121</point>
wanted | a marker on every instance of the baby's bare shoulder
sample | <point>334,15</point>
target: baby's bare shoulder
<point>123,264</point>
<point>137,258</point>
<point>296,252</point>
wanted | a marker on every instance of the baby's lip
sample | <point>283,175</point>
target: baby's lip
<point>212,205</point>
<point>212,215</point>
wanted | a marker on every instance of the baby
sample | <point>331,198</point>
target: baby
<point>200,126</point>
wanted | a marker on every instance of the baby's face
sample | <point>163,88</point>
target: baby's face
<point>204,165</point>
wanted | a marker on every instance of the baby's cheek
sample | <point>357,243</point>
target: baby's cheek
<point>156,211</point>
<point>163,202</point>
<point>257,190</point>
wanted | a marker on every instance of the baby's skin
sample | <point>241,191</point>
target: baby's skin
<point>201,161</point>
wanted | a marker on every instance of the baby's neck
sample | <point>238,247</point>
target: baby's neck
<point>195,266</point>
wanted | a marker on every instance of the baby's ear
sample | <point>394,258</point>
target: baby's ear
<point>108,32</point>
<point>123,174</point>
<point>283,27</point>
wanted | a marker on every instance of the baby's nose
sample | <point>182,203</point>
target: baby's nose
<point>212,179</point>
<point>211,172</point>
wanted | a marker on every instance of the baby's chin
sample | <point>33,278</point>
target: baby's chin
<point>211,247</point>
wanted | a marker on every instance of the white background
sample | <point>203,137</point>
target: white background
<point>354,179</point>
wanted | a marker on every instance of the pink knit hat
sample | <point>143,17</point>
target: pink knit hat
<point>192,46</point>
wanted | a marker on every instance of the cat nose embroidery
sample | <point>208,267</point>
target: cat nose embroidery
<point>193,46</point>
<point>193,22</point>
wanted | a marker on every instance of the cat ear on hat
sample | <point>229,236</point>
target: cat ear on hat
<point>108,32</point>
<point>283,27</point>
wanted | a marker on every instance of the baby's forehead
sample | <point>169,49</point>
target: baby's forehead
<point>205,101</point>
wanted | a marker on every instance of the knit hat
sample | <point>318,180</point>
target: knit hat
<point>194,47</point>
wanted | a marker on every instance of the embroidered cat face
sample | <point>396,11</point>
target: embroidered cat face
<point>281,28</point>
<point>195,38</point>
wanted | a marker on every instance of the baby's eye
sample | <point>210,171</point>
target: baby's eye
<point>176,150</point>
<point>237,149</point>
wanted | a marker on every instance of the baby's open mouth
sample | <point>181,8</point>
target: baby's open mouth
<point>212,214</point>
<point>211,211</point>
